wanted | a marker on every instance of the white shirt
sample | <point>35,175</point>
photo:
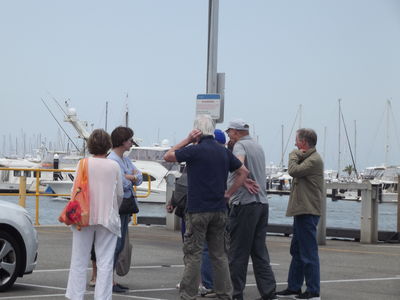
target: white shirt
<point>105,190</point>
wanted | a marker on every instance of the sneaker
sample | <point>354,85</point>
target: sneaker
<point>270,297</point>
<point>207,293</point>
<point>178,285</point>
<point>92,282</point>
<point>309,296</point>
<point>288,294</point>
<point>122,286</point>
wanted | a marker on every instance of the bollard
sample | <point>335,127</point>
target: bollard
<point>172,221</point>
<point>321,230</point>
<point>22,191</point>
<point>398,205</point>
<point>369,214</point>
<point>56,175</point>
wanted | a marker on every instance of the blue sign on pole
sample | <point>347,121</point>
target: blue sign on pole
<point>209,104</point>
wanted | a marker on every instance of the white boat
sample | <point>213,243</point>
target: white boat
<point>156,174</point>
<point>9,180</point>
<point>387,178</point>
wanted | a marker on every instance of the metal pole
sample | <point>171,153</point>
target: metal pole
<point>338,171</point>
<point>355,144</point>
<point>22,191</point>
<point>398,204</point>
<point>321,230</point>
<point>212,56</point>
<point>282,147</point>
<point>105,127</point>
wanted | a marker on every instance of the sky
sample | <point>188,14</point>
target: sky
<point>277,56</point>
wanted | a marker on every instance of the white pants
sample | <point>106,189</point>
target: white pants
<point>104,245</point>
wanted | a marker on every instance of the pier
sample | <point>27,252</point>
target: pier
<point>349,270</point>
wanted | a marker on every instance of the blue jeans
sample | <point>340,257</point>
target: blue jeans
<point>304,251</point>
<point>206,269</point>
<point>121,240</point>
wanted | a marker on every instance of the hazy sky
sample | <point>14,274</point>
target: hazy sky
<point>277,55</point>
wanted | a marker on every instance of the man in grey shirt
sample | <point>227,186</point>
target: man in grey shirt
<point>248,218</point>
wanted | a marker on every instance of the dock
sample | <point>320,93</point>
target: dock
<point>349,270</point>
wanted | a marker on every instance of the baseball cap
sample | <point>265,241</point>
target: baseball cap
<point>238,124</point>
<point>219,136</point>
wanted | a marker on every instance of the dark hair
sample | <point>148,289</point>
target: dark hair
<point>120,135</point>
<point>308,135</point>
<point>99,142</point>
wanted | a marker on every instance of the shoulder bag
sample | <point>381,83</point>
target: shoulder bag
<point>76,212</point>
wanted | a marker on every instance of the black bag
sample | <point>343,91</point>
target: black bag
<point>179,196</point>
<point>128,206</point>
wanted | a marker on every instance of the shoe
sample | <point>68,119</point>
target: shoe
<point>309,296</point>
<point>270,297</point>
<point>288,293</point>
<point>178,285</point>
<point>92,282</point>
<point>122,286</point>
<point>207,293</point>
<point>117,289</point>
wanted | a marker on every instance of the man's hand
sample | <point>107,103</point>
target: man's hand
<point>251,186</point>
<point>169,207</point>
<point>194,136</point>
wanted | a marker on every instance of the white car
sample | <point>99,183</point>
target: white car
<point>18,244</point>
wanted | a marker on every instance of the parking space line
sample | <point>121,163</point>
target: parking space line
<point>132,267</point>
<point>128,294</point>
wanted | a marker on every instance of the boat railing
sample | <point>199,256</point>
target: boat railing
<point>26,172</point>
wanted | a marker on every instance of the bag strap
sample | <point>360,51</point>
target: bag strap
<point>82,176</point>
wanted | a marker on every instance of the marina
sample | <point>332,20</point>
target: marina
<point>154,65</point>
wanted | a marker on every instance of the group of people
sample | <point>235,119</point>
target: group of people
<point>225,215</point>
<point>227,209</point>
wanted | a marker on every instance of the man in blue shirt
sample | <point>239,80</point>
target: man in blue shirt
<point>208,165</point>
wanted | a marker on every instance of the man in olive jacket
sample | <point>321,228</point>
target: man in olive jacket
<point>307,169</point>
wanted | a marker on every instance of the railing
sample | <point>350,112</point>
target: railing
<point>37,172</point>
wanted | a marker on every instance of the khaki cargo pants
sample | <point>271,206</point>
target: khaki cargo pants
<point>208,226</point>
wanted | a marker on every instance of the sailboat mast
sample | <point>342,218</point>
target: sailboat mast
<point>324,155</point>
<point>355,142</point>
<point>281,164</point>
<point>339,152</point>
<point>105,126</point>
<point>300,115</point>
<point>387,132</point>
<point>126,112</point>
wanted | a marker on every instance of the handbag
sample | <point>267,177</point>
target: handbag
<point>128,206</point>
<point>123,263</point>
<point>76,212</point>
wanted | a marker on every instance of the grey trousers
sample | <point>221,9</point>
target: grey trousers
<point>208,226</point>
<point>248,229</point>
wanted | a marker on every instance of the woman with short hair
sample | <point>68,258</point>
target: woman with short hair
<point>105,196</point>
<point>122,141</point>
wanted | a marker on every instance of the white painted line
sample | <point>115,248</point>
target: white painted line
<point>360,280</point>
<point>343,280</point>
<point>34,296</point>
<point>172,289</point>
<point>136,297</point>
<point>132,267</point>
<point>42,286</point>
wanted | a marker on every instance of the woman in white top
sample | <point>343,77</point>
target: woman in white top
<point>106,192</point>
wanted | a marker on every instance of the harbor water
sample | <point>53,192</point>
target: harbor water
<point>344,214</point>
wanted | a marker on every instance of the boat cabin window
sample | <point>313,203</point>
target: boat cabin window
<point>17,173</point>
